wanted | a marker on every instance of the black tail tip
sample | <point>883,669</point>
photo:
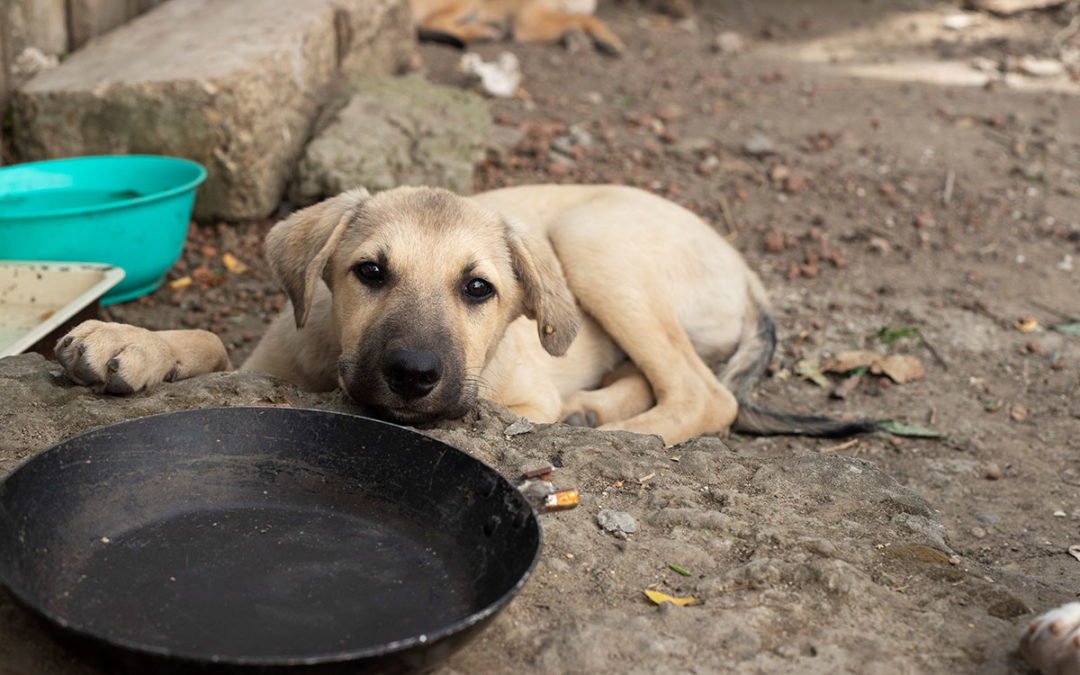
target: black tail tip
<point>425,35</point>
<point>751,419</point>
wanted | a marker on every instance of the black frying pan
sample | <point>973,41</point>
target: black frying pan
<point>263,539</point>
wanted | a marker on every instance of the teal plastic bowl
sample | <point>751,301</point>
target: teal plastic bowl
<point>131,211</point>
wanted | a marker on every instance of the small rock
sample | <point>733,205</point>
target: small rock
<point>729,42</point>
<point>709,165</point>
<point>30,62</point>
<point>518,427</point>
<point>993,471</point>
<point>978,532</point>
<point>580,136</point>
<point>506,138</point>
<point>688,25</point>
<point>1034,67</point>
<point>759,145</point>
<point>616,522</point>
<point>564,145</point>
<point>559,166</point>
<point>959,21</point>
<point>1059,514</point>
<point>774,241</point>
<point>988,518</point>
<point>985,65</point>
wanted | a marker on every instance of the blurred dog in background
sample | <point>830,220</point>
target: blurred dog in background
<point>460,22</point>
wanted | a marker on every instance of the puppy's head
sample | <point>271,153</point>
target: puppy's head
<point>424,284</point>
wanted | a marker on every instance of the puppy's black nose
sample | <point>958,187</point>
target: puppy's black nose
<point>410,373</point>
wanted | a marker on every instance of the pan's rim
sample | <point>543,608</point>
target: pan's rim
<point>23,598</point>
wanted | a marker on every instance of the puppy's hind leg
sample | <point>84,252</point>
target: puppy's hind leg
<point>458,25</point>
<point>625,393</point>
<point>690,401</point>
<point>535,23</point>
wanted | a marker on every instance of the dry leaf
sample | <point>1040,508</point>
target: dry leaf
<point>233,264</point>
<point>841,363</point>
<point>658,597</point>
<point>206,278</point>
<point>900,368</point>
<point>808,369</point>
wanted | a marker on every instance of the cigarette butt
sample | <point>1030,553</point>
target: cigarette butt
<point>561,500</point>
<point>544,473</point>
<point>233,264</point>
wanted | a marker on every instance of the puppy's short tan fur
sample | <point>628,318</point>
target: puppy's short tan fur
<point>603,305</point>
<point>465,21</point>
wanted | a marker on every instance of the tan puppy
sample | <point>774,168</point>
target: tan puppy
<point>603,305</point>
<point>465,21</point>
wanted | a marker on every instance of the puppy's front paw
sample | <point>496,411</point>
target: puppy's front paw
<point>115,357</point>
<point>1052,641</point>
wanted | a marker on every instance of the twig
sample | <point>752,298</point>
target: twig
<point>729,221</point>
<point>843,446</point>
<point>946,194</point>
<point>933,352</point>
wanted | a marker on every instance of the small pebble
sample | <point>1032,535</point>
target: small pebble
<point>616,522</point>
<point>978,532</point>
<point>1034,67</point>
<point>518,427</point>
<point>993,471</point>
<point>1059,514</point>
<point>759,145</point>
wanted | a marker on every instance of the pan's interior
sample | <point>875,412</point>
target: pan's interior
<point>261,534</point>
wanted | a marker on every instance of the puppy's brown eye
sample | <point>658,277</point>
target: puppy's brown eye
<point>478,290</point>
<point>370,273</point>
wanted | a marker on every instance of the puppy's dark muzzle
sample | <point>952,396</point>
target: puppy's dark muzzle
<point>412,374</point>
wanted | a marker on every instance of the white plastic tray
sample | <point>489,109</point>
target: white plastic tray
<point>36,298</point>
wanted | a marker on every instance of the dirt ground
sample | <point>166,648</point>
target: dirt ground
<point>901,186</point>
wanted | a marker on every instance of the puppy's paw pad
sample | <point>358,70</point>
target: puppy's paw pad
<point>1052,641</point>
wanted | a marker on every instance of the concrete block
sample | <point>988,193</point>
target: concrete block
<point>394,131</point>
<point>233,85</point>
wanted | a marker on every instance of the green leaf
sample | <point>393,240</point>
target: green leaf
<point>911,430</point>
<point>1068,328</point>
<point>678,569</point>
<point>888,336</point>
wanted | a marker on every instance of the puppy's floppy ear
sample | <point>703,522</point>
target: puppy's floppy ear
<point>547,298</point>
<point>299,247</point>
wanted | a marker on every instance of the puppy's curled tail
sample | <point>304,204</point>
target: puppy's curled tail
<point>745,368</point>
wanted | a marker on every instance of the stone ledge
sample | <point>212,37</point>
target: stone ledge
<point>235,86</point>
